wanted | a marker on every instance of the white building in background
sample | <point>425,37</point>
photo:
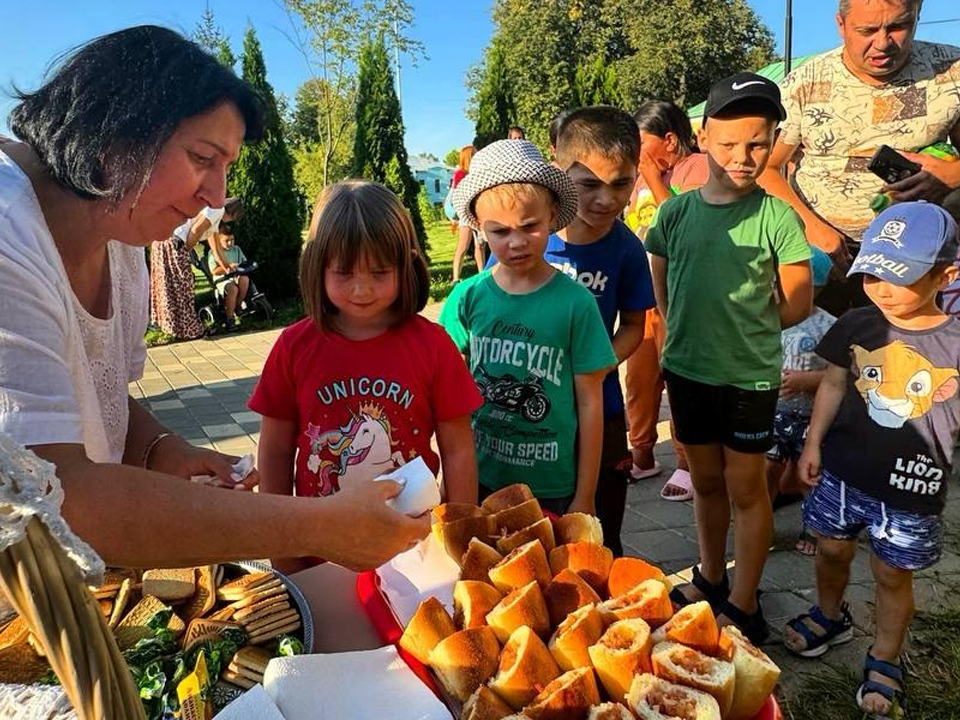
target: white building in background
<point>433,175</point>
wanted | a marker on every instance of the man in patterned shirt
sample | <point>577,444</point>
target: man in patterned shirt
<point>880,87</point>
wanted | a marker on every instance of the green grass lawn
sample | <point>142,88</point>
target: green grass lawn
<point>443,243</point>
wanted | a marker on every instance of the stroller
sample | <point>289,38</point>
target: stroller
<point>211,309</point>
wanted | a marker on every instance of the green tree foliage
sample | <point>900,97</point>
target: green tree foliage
<point>378,150</point>
<point>452,158</point>
<point>595,83</point>
<point>690,45</point>
<point>314,167</point>
<point>210,36</point>
<point>560,54</point>
<point>262,178</point>
<point>330,34</point>
<point>496,111</point>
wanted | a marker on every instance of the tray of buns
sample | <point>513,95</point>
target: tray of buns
<point>240,614</point>
<point>543,623</point>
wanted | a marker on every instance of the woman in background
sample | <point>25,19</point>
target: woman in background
<point>465,233</point>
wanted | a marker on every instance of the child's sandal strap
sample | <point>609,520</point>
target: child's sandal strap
<point>809,634</point>
<point>873,686</point>
<point>713,593</point>
<point>893,671</point>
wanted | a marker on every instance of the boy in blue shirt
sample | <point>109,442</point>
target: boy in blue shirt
<point>599,148</point>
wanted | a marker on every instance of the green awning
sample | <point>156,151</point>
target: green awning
<point>774,72</point>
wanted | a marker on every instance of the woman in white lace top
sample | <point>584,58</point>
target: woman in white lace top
<point>131,136</point>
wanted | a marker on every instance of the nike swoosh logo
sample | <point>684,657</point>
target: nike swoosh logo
<point>741,86</point>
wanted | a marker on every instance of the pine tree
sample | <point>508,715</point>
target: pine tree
<point>378,150</point>
<point>225,54</point>
<point>495,108</point>
<point>595,83</point>
<point>269,230</point>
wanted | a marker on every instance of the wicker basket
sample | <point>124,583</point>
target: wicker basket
<point>46,588</point>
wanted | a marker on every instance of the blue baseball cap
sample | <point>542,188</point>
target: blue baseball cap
<point>906,241</point>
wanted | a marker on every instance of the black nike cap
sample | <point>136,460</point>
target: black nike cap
<point>741,87</point>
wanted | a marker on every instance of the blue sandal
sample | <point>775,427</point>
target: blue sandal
<point>896,697</point>
<point>836,632</point>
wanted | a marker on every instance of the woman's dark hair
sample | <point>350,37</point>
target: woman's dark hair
<point>660,117</point>
<point>100,120</point>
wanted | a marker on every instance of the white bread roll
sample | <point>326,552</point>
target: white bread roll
<point>622,652</point>
<point>456,534</point>
<point>523,606</point>
<point>472,600</point>
<point>628,572</point>
<point>578,527</point>
<point>477,561</point>
<point>430,624</point>
<point>567,592</point>
<point>541,530</point>
<point>485,704</point>
<point>569,696</point>
<point>686,666</point>
<point>465,660</point>
<point>650,600</point>
<point>654,699</point>
<point>448,512</point>
<point>610,711</point>
<point>570,644</point>
<point>518,517</point>
<point>527,563</point>
<point>694,626</point>
<point>507,497</point>
<point>526,667</point>
<point>756,673</point>
<point>589,561</point>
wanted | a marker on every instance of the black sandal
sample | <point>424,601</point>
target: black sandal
<point>716,595</point>
<point>754,626</point>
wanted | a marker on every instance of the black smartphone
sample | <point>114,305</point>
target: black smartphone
<point>891,166</point>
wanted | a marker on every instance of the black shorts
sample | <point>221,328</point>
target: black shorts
<point>742,420</point>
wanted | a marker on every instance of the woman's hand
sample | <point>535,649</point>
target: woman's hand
<point>364,532</point>
<point>175,456</point>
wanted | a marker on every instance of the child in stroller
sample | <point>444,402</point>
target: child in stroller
<point>228,271</point>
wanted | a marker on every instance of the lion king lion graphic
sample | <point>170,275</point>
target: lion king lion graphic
<point>899,384</point>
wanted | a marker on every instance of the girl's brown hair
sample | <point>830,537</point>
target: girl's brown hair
<point>358,219</point>
<point>466,156</point>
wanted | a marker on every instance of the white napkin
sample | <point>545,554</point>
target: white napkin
<point>242,468</point>
<point>411,577</point>
<point>420,493</point>
<point>254,704</point>
<point>367,684</point>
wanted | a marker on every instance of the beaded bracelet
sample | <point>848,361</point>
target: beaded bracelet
<point>158,438</point>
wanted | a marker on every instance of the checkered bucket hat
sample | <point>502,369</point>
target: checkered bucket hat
<point>513,161</point>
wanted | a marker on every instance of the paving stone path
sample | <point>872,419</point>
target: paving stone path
<point>199,389</point>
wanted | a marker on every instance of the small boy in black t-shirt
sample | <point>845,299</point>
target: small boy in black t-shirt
<point>878,451</point>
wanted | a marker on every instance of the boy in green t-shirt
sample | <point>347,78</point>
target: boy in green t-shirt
<point>533,337</point>
<point>731,270</point>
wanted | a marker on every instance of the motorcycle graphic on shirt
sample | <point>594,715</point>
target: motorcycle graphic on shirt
<point>514,395</point>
